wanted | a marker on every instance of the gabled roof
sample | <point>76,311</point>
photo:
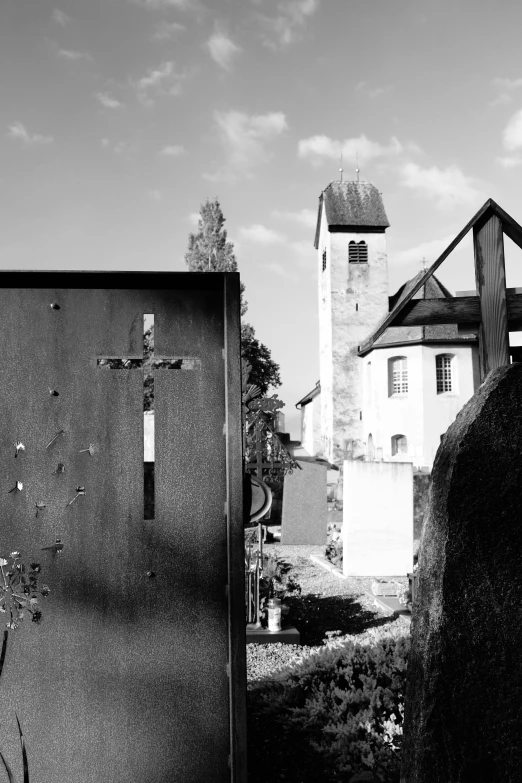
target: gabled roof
<point>432,288</point>
<point>351,204</point>
<point>509,226</point>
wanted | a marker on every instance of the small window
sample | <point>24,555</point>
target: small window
<point>357,252</point>
<point>444,365</point>
<point>397,375</point>
<point>399,445</point>
<point>324,259</point>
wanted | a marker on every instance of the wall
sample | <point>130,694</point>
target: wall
<point>377,526</point>
<point>422,415</point>
<point>325,337</point>
<point>311,426</point>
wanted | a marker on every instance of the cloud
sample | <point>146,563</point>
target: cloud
<point>429,250</point>
<point>60,17</point>
<point>154,195</point>
<point>306,217</point>
<point>159,4</point>
<point>193,218</point>
<point>165,31</point>
<point>509,161</point>
<point>71,54</point>
<point>317,148</point>
<point>260,235</point>
<point>117,147</point>
<point>289,23</point>
<point>106,100</point>
<point>173,150</point>
<point>163,80</point>
<point>512,136</point>
<point>373,92</point>
<point>222,49</point>
<point>19,132</point>
<point>447,187</point>
<point>245,138</point>
<point>505,88</point>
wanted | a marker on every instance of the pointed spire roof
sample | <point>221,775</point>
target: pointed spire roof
<point>351,205</point>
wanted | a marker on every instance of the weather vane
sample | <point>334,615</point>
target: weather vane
<point>357,165</point>
<point>341,169</point>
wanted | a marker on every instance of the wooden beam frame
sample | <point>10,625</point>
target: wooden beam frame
<point>493,309</point>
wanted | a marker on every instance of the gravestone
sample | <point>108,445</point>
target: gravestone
<point>137,672</point>
<point>463,709</point>
<point>377,518</point>
<point>304,505</point>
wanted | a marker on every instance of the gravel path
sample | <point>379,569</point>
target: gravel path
<point>327,603</point>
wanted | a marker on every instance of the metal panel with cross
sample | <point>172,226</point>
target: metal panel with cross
<point>137,671</point>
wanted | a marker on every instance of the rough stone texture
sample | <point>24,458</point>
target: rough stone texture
<point>463,701</point>
<point>304,505</point>
<point>421,486</point>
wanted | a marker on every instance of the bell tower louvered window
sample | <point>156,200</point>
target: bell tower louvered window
<point>324,259</point>
<point>357,252</point>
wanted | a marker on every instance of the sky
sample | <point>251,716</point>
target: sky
<point>118,118</point>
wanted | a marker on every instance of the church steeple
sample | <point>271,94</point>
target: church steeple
<point>353,299</point>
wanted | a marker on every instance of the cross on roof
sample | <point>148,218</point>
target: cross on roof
<point>493,311</point>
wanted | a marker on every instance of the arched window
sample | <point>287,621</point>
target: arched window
<point>444,367</point>
<point>399,445</point>
<point>357,252</point>
<point>324,259</point>
<point>397,375</point>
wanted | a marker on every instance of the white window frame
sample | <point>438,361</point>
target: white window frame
<point>398,385</point>
<point>445,375</point>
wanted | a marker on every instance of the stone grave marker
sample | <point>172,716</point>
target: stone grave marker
<point>304,505</point>
<point>137,671</point>
<point>377,518</point>
<point>463,709</point>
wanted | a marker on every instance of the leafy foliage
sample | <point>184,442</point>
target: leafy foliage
<point>333,714</point>
<point>209,249</point>
<point>264,372</point>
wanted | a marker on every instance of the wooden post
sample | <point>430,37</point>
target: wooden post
<point>490,276</point>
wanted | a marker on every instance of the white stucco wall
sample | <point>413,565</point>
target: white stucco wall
<point>311,426</point>
<point>353,299</point>
<point>422,414</point>
<point>377,526</point>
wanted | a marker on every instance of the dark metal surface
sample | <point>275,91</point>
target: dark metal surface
<point>126,678</point>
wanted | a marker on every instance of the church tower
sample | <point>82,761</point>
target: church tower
<point>353,300</point>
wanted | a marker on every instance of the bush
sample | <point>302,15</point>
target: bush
<point>336,712</point>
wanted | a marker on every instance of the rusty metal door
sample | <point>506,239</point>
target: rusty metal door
<point>127,677</point>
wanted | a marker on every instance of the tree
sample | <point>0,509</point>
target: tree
<point>209,250</point>
<point>264,372</point>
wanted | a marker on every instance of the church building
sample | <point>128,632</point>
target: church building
<point>395,400</point>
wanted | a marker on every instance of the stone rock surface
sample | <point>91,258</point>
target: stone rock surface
<point>463,702</point>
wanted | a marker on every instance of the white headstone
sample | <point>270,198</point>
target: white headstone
<point>377,518</point>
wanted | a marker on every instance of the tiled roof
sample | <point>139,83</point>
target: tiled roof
<point>351,204</point>
<point>432,289</point>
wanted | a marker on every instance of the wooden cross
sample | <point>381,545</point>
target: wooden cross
<point>148,365</point>
<point>491,312</point>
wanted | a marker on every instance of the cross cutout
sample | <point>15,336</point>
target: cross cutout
<point>148,364</point>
